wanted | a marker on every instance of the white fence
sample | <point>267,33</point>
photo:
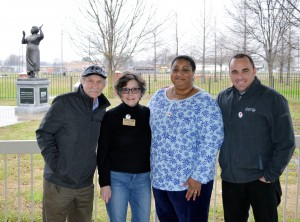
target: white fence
<point>26,207</point>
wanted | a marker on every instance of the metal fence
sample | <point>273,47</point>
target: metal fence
<point>21,178</point>
<point>286,84</point>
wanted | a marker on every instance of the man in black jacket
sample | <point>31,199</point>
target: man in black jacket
<point>258,144</point>
<point>68,137</point>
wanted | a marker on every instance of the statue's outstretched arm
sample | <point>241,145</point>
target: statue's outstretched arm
<point>23,39</point>
<point>41,32</point>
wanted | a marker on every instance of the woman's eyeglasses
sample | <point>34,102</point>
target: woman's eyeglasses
<point>127,90</point>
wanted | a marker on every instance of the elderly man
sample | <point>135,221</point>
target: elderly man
<point>68,137</point>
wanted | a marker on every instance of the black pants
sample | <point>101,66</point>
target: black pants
<point>172,206</point>
<point>264,199</point>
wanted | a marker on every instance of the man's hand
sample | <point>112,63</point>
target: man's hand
<point>263,179</point>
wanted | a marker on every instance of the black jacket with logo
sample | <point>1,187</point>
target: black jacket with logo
<point>68,137</point>
<point>259,138</point>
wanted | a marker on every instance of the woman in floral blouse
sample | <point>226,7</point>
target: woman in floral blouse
<point>187,132</point>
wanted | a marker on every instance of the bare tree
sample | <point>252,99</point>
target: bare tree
<point>155,53</point>
<point>292,41</point>
<point>204,39</point>
<point>12,60</point>
<point>292,4</point>
<point>176,34</point>
<point>204,44</point>
<point>266,23</point>
<point>288,50</point>
<point>113,31</point>
<point>215,54</point>
<point>220,52</point>
<point>157,43</point>
<point>238,29</point>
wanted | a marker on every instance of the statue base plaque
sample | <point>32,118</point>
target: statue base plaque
<point>32,95</point>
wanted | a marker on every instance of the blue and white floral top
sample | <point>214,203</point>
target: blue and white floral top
<point>186,137</point>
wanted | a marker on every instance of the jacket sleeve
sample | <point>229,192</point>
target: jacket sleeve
<point>46,132</point>
<point>283,138</point>
<point>103,159</point>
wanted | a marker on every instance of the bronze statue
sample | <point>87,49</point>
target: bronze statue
<point>33,51</point>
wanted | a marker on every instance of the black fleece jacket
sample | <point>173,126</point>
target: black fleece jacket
<point>259,138</point>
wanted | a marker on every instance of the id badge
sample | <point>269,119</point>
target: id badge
<point>128,122</point>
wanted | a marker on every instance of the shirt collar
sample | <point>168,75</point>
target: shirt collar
<point>95,104</point>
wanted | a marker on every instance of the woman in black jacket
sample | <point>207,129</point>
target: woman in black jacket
<point>124,153</point>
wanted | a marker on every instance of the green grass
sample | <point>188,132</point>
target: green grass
<point>295,113</point>
<point>20,131</point>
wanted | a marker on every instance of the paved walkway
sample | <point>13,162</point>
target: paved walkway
<point>8,116</point>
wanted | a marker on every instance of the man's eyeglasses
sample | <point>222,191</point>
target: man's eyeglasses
<point>127,90</point>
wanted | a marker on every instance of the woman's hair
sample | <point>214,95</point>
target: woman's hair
<point>125,78</point>
<point>187,58</point>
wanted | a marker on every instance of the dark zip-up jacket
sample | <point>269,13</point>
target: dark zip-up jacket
<point>68,137</point>
<point>259,138</point>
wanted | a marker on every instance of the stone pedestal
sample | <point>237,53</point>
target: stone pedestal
<point>32,95</point>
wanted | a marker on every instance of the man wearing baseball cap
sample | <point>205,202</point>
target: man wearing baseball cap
<point>68,137</point>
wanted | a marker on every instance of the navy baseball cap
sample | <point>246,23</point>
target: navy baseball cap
<point>94,70</point>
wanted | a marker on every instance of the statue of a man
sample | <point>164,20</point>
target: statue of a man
<point>33,51</point>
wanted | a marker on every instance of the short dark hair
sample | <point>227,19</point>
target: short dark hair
<point>187,58</point>
<point>240,56</point>
<point>125,78</point>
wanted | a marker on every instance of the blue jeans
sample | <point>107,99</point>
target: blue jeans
<point>132,188</point>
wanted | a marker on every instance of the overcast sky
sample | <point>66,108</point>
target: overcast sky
<point>19,15</point>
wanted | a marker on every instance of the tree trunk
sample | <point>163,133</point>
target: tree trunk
<point>110,88</point>
<point>270,67</point>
